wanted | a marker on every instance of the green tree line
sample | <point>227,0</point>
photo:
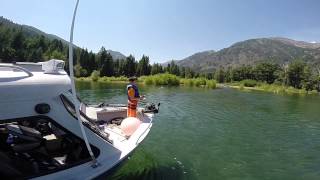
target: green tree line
<point>296,74</point>
<point>16,45</point>
<point>103,64</point>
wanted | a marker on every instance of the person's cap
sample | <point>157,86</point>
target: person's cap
<point>133,78</point>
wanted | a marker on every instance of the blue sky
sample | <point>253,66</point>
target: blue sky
<point>168,29</point>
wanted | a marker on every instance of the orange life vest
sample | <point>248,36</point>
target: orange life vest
<point>132,104</point>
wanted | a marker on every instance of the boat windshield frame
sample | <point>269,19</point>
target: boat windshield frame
<point>87,122</point>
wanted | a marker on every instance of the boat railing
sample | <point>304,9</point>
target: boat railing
<point>148,128</point>
<point>18,68</point>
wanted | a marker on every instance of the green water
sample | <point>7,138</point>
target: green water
<point>221,134</point>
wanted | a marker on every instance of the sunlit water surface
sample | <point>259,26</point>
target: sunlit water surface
<point>220,134</point>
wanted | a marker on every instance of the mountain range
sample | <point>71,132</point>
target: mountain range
<point>249,52</point>
<point>32,31</point>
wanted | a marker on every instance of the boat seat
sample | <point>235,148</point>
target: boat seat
<point>30,132</point>
<point>25,133</point>
<point>109,114</point>
<point>25,147</point>
<point>7,169</point>
<point>28,138</point>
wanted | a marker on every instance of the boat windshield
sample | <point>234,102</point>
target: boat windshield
<point>68,94</point>
<point>67,101</point>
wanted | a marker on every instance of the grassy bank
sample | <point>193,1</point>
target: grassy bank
<point>277,89</point>
<point>157,80</point>
<point>172,80</point>
<point>199,82</point>
<point>161,79</point>
<point>120,79</point>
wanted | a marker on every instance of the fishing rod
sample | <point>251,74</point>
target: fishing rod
<point>73,89</point>
<point>148,107</point>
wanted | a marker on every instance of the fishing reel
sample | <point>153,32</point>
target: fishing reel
<point>151,108</point>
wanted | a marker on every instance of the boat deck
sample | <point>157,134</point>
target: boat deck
<point>115,133</point>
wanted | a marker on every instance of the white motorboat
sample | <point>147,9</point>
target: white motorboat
<point>40,136</point>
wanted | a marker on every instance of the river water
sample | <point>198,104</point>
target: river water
<point>221,134</point>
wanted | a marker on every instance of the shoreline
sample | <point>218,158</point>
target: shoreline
<point>194,82</point>
<point>272,89</point>
<point>157,80</point>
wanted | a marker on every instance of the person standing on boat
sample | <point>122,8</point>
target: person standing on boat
<point>133,97</point>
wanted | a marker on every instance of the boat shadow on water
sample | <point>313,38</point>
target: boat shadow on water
<point>151,170</point>
<point>170,171</point>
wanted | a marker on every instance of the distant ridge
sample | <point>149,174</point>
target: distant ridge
<point>301,44</point>
<point>249,52</point>
<point>116,54</point>
<point>29,30</point>
<point>32,31</point>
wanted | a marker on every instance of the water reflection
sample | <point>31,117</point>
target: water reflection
<point>144,166</point>
<point>221,134</point>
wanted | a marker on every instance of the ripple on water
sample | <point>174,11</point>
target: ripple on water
<point>222,134</point>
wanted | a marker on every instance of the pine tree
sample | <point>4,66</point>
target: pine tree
<point>107,66</point>
<point>143,66</point>
<point>130,66</point>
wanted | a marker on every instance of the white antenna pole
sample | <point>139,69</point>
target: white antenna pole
<point>73,88</point>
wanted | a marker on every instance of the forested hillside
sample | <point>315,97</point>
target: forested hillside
<point>27,44</point>
<point>278,60</point>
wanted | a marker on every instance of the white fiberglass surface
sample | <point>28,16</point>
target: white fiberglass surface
<point>9,73</point>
